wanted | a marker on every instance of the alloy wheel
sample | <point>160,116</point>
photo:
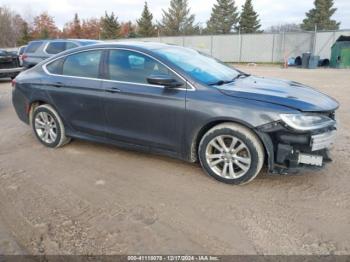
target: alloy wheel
<point>45,127</point>
<point>228,156</point>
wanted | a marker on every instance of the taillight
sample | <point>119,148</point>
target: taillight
<point>13,83</point>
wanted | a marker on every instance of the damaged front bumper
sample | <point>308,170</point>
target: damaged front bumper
<point>290,151</point>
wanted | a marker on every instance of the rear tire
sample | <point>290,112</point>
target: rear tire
<point>231,153</point>
<point>48,127</point>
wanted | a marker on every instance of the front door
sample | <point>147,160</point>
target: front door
<point>140,113</point>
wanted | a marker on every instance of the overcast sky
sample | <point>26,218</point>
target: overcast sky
<point>271,12</point>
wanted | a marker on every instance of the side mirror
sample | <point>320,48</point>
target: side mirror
<point>163,80</point>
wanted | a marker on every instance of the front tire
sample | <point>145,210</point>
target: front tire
<point>231,153</point>
<point>48,127</point>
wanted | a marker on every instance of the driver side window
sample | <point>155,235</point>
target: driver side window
<point>134,67</point>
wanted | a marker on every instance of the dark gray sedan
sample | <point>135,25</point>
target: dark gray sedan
<point>176,101</point>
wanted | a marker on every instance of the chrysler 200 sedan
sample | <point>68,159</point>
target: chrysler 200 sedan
<point>176,101</point>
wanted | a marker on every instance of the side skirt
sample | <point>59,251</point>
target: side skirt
<point>124,145</point>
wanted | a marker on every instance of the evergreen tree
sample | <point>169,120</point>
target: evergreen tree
<point>77,26</point>
<point>110,27</point>
<point>249,22</point>
<point>145,24</point>
<point>178,20</point>
<point>224,17</point>
<point>128,30</point>
<point>25,34</point>
<point>132,30</point>
<point>44,34</point>
<point>321,16</point>
<point>73,29</point>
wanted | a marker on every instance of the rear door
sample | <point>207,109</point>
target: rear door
<point>75,87</point>
<point>33,53</point>
<point>137,112</point>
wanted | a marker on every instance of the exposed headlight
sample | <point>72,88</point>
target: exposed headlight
<point>305,122</point>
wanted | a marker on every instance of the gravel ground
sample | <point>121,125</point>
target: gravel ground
<point>88,198</point>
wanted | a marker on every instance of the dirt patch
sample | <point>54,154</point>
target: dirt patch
<point>88,198</point>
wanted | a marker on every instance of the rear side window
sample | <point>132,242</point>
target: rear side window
<point>57,47</point>
<point>33,46</point>
<point>70,45</point>
<point>84,64</point>
<point>55,67</point>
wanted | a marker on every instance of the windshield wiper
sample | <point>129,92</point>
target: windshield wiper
<point>222,82</point>
<point>240,75</point>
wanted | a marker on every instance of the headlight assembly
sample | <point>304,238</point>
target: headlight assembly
<point>306,122</point>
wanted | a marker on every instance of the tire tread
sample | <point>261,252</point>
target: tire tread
<point>248,134</point>
<point>63,138</point>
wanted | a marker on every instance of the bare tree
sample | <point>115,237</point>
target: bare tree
<point>91,28</point>
<point>287,27</point>
<point>44,27</point>
<point>5,27</point>
<point>11,25</point>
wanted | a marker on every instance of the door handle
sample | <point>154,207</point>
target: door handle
<point>57,84</point>
<point>113,90</point>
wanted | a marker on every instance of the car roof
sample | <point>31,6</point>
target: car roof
<point>64,39</point>
<point>134,44</point>
<point>101,44</point>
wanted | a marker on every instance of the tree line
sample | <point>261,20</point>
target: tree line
<point>177,20</point>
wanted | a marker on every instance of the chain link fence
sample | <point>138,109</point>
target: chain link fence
<point>260,48</point>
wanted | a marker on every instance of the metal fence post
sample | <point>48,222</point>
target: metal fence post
<point>283,49</point>
<point>240,45</point>
<point>315,41</point>
<point>273,48</point>
<point>211,44</point>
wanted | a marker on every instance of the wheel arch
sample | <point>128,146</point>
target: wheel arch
<point>34,103</point>
<point>61,139</point>
<point>205,128</point>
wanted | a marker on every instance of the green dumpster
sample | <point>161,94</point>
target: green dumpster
<point>340,57</point>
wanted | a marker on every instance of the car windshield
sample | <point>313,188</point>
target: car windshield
<point>201,67</point>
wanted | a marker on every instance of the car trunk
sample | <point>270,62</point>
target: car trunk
<point>8,62</point>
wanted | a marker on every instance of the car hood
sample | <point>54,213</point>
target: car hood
<point>281,92</point>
